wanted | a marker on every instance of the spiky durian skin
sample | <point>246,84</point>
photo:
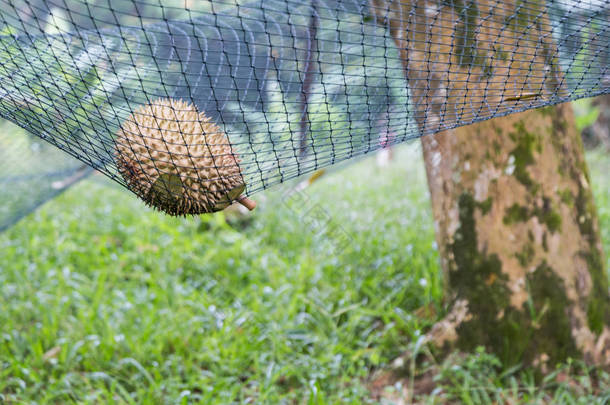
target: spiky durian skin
<point>177,160</point>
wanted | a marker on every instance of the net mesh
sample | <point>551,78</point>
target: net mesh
<point>192,105</point>
<point>32,172</point>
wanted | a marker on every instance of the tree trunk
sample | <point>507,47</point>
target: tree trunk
<point>598,134</point>
<point>515,221</point>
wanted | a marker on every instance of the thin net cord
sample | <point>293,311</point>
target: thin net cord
<point>193,105</point>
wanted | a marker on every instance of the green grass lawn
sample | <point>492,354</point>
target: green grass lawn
<point>103,300</point>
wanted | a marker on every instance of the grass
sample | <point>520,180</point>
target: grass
<point>105,301</point>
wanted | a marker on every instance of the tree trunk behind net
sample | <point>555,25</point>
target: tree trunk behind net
<point>515,221</point>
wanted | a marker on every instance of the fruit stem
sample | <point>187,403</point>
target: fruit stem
<point>246,202</point>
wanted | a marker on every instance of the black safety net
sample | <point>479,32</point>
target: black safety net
<point>32,172</point>
<point>193,105</point>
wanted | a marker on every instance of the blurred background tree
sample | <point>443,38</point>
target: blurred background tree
<point>598,133</point>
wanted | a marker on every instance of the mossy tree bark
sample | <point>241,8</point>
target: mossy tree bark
<point>515,221</point>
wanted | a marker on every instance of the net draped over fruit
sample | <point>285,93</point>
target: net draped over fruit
<point>177,160</point>
<point>283,87</point>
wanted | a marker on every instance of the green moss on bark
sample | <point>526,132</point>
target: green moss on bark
<point>526,13</point>
<point>515,335</point>
<point>598,308</point>
<point>526,255</point>
<point>485,205</point>
<point>516,213</point>
<point>546,215</point>
<point>501,54</point>
<point>476,277</point>
<point>466,46</point>
<point>548,316</point>
<point>526,143</point>
<point>566,197</point>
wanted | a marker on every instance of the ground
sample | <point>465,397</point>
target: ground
<point>104,300</point>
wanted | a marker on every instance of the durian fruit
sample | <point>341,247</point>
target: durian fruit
<point>177,160</point>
